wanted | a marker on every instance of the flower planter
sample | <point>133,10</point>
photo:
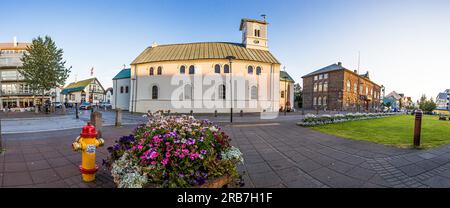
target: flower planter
<point>174,152</point>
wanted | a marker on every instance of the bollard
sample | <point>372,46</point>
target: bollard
<point>63,109</point>
<point>168,112</point>
<point>96,120</point>
<point>192,113</point>
<point>241,113</point>
<point>215,113</point>
<point>1,142</point>
<point>76,111</point>
<point>118,117</point>
<point>417,128</point>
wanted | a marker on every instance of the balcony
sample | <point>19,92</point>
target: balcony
<point>12,62</point>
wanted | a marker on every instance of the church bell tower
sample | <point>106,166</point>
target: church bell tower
<point>254,33</point>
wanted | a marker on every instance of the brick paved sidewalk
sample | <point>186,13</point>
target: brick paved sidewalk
<point>277,154</point>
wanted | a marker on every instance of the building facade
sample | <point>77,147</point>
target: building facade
<point>121,90</point>
<point>337,88</point>
<point>286,91</point>
<point>208,76</point>
<point>109,96</point>
<point>89,90</point>
<point>443,100</point>
<point>15,93</point>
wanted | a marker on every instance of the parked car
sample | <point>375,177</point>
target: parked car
<point>58,104</point>
<point>85,106</point>
<point>105,105</point>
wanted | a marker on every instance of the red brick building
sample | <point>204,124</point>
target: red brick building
<point>337,88</point>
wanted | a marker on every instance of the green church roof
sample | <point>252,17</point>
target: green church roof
<point>77,86</point>
<point>123,74</point>
<point>285,76</point>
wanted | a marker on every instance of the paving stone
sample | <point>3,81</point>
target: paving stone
<point>44,176</point>
<point>258,168</point>
<point>341,167</point>
<point>428,165</point>
<point>280,164</point>
<point>353,160</point>
<point>67,171</point>
<point>360,173</point>
<point>427,155</point>
<point>438,182</point>
<point>16,179</point>
<point>335,179</point>
<point>412,170</point>
<point>301,182</point>
<point>289,174</point>
<point>308,165</point>
<point>263,180</point>
<point>15,167</point>
<point>398,162</point>
<point>58,162</point>
<point>38,165</point>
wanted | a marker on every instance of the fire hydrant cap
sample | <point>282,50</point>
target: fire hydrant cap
<point>88,131</point>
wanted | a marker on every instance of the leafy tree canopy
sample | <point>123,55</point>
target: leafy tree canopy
<point>43,65</point>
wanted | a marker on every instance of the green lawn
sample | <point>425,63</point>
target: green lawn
<point>395,131</point>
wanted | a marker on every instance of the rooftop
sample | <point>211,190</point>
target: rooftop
<point>284,76</point>
<point>332,67</point>
<point>203,50</point>
<point>77,86</point>
<point>123,74</point>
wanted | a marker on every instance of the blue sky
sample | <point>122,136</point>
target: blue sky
<point>405,44</point>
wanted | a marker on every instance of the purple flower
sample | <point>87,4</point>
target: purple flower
<point>200,180</point>
<point>203,152</point>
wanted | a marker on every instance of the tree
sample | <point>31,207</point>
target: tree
<point>426,105</point>
<point>43,66</point>
<point>298,95</point>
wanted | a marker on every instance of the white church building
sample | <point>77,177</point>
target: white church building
<point>207,76</point>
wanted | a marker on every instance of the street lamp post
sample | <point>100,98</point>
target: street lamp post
<point>230,60</point>
<point>285,91</point>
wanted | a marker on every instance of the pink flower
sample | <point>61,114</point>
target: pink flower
<point>154,154</point>
<point>165,161</point>
<point>193,156</point>
<point>153,163</point>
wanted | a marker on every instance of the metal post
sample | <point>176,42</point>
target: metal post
<point>417,128</point>
<point>1,137</point>
<point>76,111</point>
<point>230,60</point>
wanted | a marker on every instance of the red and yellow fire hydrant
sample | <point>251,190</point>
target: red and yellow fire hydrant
<point>87,142</point>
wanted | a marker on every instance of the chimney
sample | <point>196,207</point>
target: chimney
<point>15,42</point>
<point>339,63</point>
<point>154,44</point>
<point>356,71</point>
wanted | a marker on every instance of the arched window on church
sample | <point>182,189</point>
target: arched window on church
<point>250,69</point>
<point>222,92</point>
<point>187,92</point>
<point>258,70</point>
<point>254,93</point>
<point>192,69</point>
<point>151,71</point>
<point>226,69</point>
<point>155,92</point>
<point>217,69</point>
<point>182,70</point>
<point>159,70</point>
